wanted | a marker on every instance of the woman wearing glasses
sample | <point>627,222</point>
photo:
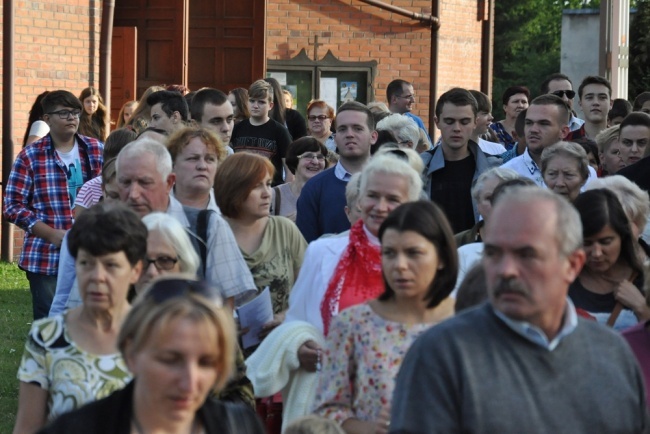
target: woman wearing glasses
<point>306,158</point>
<point>71,359</point>
<point>179,344</point>
<point>319,120</point>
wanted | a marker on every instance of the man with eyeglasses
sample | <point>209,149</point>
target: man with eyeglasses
<point>560,85</point>
<point>401,98</point>
<point>41,191</point>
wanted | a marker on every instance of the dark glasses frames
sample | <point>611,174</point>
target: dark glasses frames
<point>569,93</point>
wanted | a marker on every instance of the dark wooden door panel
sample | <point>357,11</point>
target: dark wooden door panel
<point>123,68</point>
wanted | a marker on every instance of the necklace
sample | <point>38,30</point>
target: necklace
<point>140,430</point>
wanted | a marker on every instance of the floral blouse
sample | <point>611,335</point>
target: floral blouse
<point>72,376</point>
<point>361,359</point>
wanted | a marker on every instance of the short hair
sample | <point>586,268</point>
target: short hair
<point>181,138</point>
<point>299,147</point>
<point>402,127</point>
<point>633,199</point>
<point>313,424</point>
<point>261,89</point>
<point>353,190</point>
<point>206,96</point>
<point>153,130</point>
<point>241,102</point>
<point>358,107</point>
<point>520,123</point>
<point>550,99</point>
<point>149,318</point>
<point>236,177</point>
<point>567,149</point>
<point>620,108</point>
<point>319,103</point>
<point>599,208</point>
<point>117,140</point>
<point>545,87</point>
<point>458,97</point>
<point>606,137</point>
<point>514,90</point>
<point>503,187</point>
<point>568,229</point>
<point>426,219</point>
<point>635,119</point>
<point>62,98</point>
<point>483,101</point>
<point>594,79</point>
<point>384,137</point>
<point>148,146</point>
<point>392,165</point>
<point>109,228</point>
<point>395,88</point>
<point>500,173</point>
<point>174,234</point>
<point>378,107</point>
<point>640,99</point>
<point>405,154</point>
<point>180,88</point>
<point>472,290</point>
<point>170,102</point>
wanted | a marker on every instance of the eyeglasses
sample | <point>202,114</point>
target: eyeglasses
<point>412,96</point>
<point>319,117</point>
<point>65,114</point>
<point>165,289</point>
<point>569,93</point>
<point>309,156</point>
<point>161,263</point>
<point>405,143</point>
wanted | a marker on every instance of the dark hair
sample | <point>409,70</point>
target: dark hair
<point>170,102</point>
<point>241,103</point>
<point>383,137</point>
<point>358,107</point>
<point>544,88</point>
<point>504,186</point>
<point>520,123</point>
<point>472,291</point>
<point>299,147</point>
<point>620,108</point>
<point>484,103</point>
<point>35,114</point>
<point>635,119</point>
<point>589,146</point>
<point>109,228</point>
<point>189,97</point>
<point>62,98</point>
<point>550,99</point>
<point>395,88</point>
<point>116,141</point>
<point>594,79</point>
<point>203,97</point>
<point>599,208</point>
<point>514,90</point>
<point>427,219</point>
<point>458,97</point>
<point>155,130</point>
<point>278,112</point>
<point>640,99</point>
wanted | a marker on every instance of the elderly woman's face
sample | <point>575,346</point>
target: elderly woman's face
<point>384,192</point>
<point>319,122</point>
<point>195,167</point>
<point>563,176</point>
<point>104,280</point>
<point>161,259</point>
<point>175,370</point>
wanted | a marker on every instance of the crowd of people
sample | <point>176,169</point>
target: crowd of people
<point>492,281</point>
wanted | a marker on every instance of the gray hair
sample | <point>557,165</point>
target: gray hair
<point>634,200</point>
<point>391,165</point>
<point>174,234</point>
<point>568,230</point>
<point>403,128</point>
<point>606,137</point>
<point>567,149</point>
<point>413,157</point>
<point>500,173</point>
<point>148,146</point>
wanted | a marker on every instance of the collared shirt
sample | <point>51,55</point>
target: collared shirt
<point>341,172</point>
<point>38,191</point>
<point>535,335</point>
<point>575,123</point>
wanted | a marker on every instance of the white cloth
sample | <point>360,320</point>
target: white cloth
<point>274,367</point>
<point>491,148</point>
<point>39,129</point>
<point>468,256</point>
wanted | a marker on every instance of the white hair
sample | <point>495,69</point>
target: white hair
<point>147,145</point>
<point>403,128</point>
<point>633,199</point>
<point>392,165</point>
<point>174,234</point>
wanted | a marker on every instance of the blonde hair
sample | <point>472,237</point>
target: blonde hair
<point>392,165</point>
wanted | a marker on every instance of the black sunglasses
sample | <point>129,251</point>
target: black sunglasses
<point>569,93</point>
<point>166,289</point>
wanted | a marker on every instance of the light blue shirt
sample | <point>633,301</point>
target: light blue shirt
<point>535,335</point>
<point>575,123</point>
<point>341,172</point>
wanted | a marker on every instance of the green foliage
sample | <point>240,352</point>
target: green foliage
<point>639,73</point>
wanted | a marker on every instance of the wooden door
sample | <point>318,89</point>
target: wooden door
<point>123,68</point>
<point>226,43</point>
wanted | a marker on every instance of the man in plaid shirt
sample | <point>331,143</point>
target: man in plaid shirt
<point>42,187</point>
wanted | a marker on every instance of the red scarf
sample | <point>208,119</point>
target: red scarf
<point>357,277</point>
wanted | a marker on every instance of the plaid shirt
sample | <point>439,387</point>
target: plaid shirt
<point>38,191</point>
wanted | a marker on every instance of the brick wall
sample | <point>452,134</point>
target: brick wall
<point>56,47</point>
<point>357,32</point>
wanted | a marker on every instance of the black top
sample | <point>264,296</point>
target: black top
<point>296,124</point>
<point>451,188</point>
<point>639,173</point>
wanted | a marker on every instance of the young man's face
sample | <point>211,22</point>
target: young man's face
<point>160,119</point>
<point>543,127</point>
<point>483,121</point>
<point>259,107</point>
<point>633,141</point>
<point>595,103</point>
<point>562,87</point>
<point>63,121</point>
<point>219,119</point>
<point>403,103</point>
<point>353,136</point>
<point>456,125</point>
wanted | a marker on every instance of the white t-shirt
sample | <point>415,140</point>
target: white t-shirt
<point>72,163</point>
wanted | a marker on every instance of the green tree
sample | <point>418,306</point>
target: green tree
<point>639,73</point>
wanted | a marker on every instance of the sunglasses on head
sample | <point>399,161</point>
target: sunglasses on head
<point>166,289</point>
<point>569,93</point>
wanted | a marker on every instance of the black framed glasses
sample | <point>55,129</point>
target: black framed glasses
<point>162,263</point>
<point>310,156</point>
<point>319,117</point>
<point>166,289</point>
<point>65,114</point>
<point>569,93</point>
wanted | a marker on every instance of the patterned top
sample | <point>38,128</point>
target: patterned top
<point>360,363</point>
<point>504,137</point>
<point>90,193</point>
<point>38,191</point>
<point>72,376</point>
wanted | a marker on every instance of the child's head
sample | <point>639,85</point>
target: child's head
<point>261,90</point>
<point>313,424</point>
